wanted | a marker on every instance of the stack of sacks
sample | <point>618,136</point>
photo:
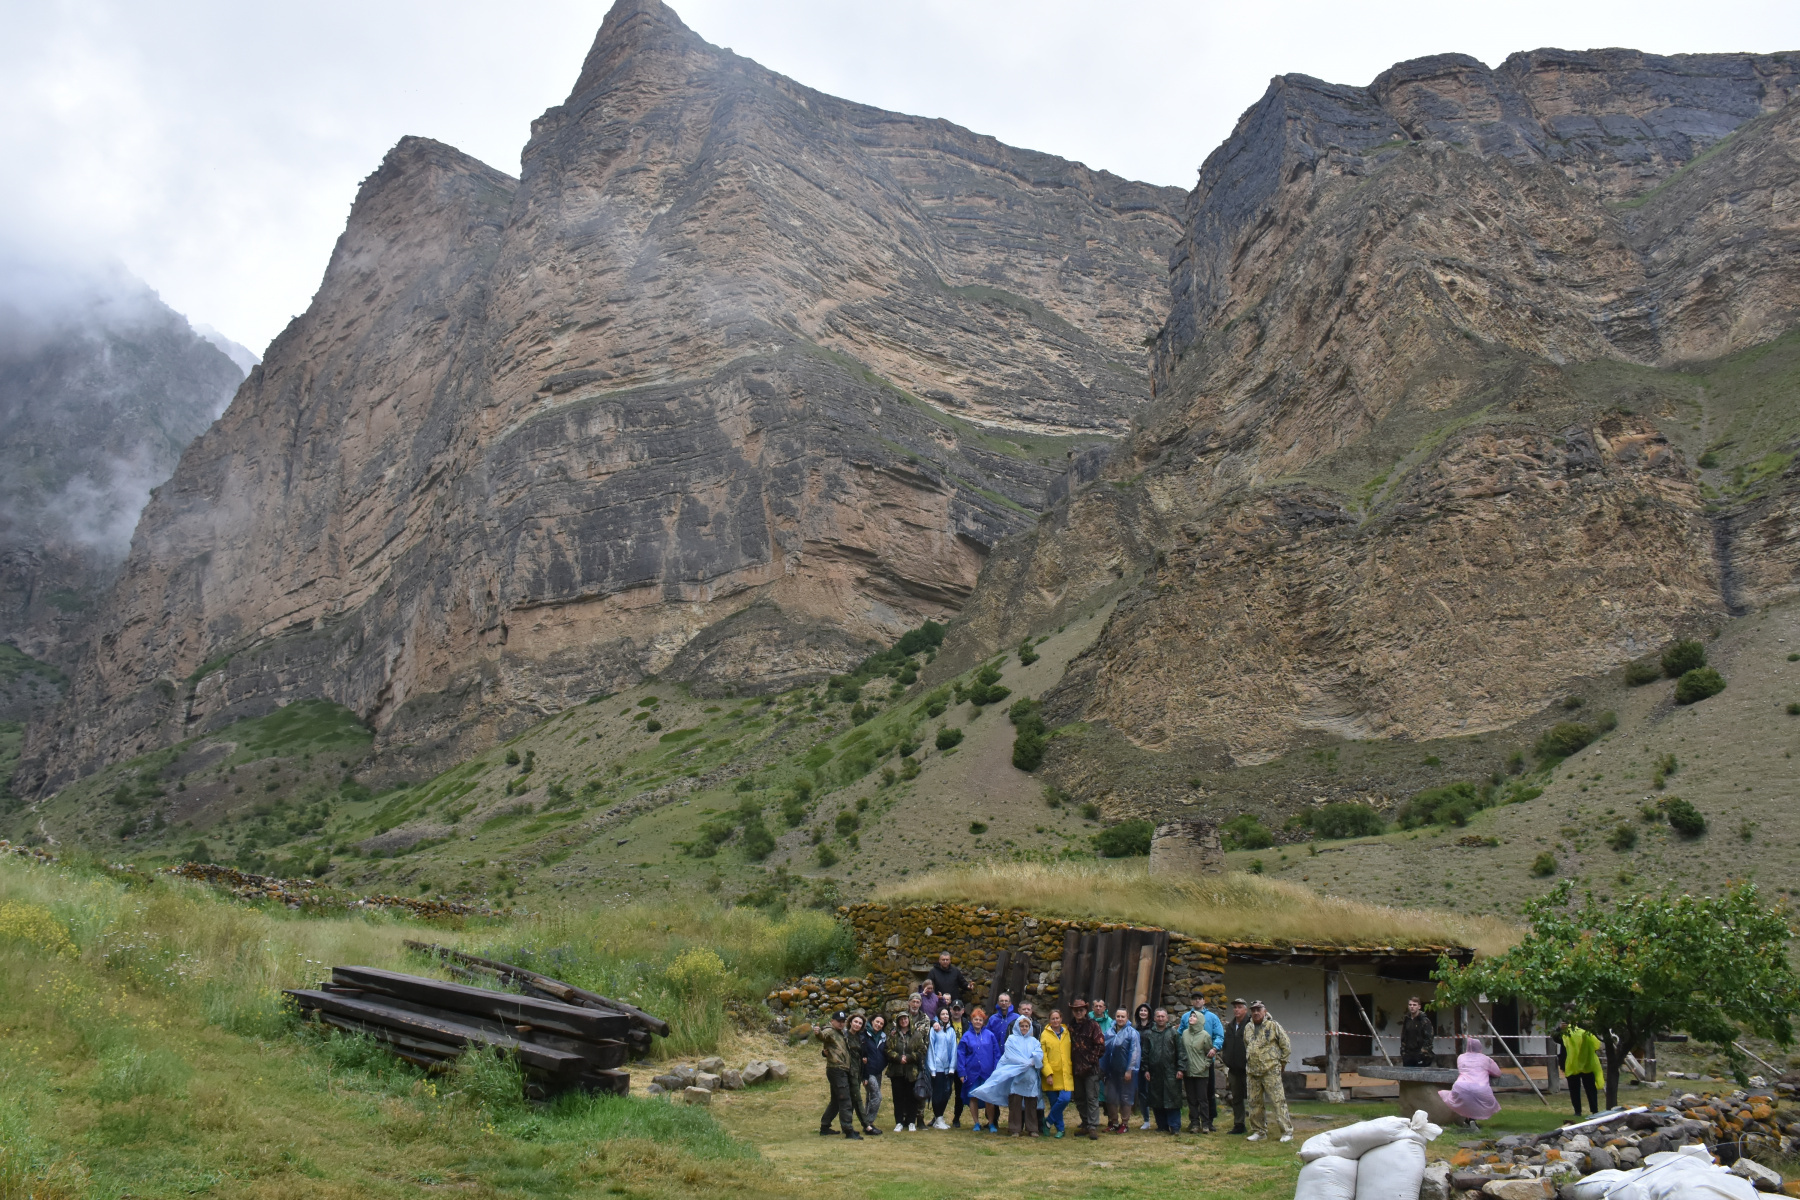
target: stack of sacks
<point>1382,1159</point>
<point>1684,1174</point>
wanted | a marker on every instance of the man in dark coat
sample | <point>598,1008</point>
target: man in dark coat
<point>947,979</point>
<point>1236,1060</point>
<point>1084,1060</point>
<point>1416,1034</point>
<point>1161,1062</point>
<point>838,1063</point>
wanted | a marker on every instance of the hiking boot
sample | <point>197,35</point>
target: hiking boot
<point>872,1131</point>
<point>853,1135</point>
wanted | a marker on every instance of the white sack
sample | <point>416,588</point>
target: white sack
<point>1328,1178</point>
<point>1391,1172</point>
<point>1599,1184</point>
<point>1353,1141</point>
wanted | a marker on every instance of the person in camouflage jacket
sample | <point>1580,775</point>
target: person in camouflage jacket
<point>1266,1053</point>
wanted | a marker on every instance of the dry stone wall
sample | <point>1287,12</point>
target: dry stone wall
<point>898,943</point>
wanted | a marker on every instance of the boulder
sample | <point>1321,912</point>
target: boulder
<point>1599,1158</point>
<point>668,1083</point>
<point>1764,1179</point>
<point>684,1073</point>
<point>707,1080</point>
<point>731,1080</point>
<point>696,1095</point>
<point>1519,1189</point>
<point>713,1065</point>
<point>777,1069</point>
<point>754,1072</point>
<point>1436,1185</point>
<point>655,1089</point>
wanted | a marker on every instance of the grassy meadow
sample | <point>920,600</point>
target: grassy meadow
<point>145,1052</point>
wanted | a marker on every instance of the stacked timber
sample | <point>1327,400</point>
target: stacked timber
<point>580,1043</point>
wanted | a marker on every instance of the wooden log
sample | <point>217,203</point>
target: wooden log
<point>554,988</point>
<point>440,1029</point>
<point>604,1054</point>
<point>553,1016</point>
<point>1066,986</point>
<point>415,1050</point>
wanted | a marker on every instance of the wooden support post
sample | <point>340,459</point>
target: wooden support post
<point>1509,1053</point>
<point>1374,1034</point>
<point>1334,1092</point>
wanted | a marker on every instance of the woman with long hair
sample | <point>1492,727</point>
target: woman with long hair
<point>1141,1021</point>
<point>874,1062</point>
<point>940,1060</point>
<point>905,1053</point>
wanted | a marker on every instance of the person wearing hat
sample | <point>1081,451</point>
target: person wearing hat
<point>838,1060</point>
<point>1087,1047</point>
<point>1232,1053</point>
<point>1266,1053</point>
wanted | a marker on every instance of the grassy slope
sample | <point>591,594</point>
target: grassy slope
<point>124,1077</point>
<point>627,799</point>
<point>1736,765</point>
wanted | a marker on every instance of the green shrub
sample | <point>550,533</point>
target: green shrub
<point>1090,811</point>
<point>1698,684</point>
<point>757,841</point>
<point>1571,703</point>
<point>1637,674</point>
<point>1451,804</point>
<point>825,856</point>
<point>978,827</point>
<point>1622,838</point>
<point>1346,820</point>
<point>1793,708</point>
<point>1515,762</point>
<point>847,823</point>
<point>986,688</point>
<point>949,736</point>
<point>1683,657</point>
<point>653,725</point>
<point>1027,655</point>
<point>1683,817</point>
<point>1544,864</point>
<point>1124,840</point>
<point>1565,738</point>
<point>1245,832</point>
<point>928,636</point>
<point>1028,743</point>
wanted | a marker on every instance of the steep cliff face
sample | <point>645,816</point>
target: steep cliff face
<point>1431,394</point>
<point>731,358</point>
<point>101,387</point>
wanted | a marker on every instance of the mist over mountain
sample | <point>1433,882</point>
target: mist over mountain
<point>102,386</point>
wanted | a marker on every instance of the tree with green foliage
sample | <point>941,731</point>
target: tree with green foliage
<point>1127,839</point>
<point>1245,832</point>
<point>1565,738</point>
<point>1028,744</point>
<point>1345,819</point>
<point>1706,966</point>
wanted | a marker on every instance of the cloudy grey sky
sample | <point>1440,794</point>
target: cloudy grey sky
<point>214,145</point>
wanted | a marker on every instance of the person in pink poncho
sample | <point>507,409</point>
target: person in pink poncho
<point>1471,1097</point>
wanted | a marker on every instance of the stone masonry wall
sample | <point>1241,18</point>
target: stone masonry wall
<point>892,940</point>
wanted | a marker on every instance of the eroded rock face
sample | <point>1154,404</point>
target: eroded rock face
<point>709,364</point>
<point>1410,466</point>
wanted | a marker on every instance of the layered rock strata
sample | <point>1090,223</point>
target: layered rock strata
<point>1421,452</point>
<point>734,377</point>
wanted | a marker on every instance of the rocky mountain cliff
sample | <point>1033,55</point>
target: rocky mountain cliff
<point>1443,358</point>
<point>734,377</point>
<point>101,387</point>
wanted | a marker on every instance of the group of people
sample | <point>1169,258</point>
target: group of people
<point>1150,1064</point>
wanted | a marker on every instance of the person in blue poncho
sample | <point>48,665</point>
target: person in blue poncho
<point>1119,1064</point>
<point>1015,1080</point>
<point>976,1055</point>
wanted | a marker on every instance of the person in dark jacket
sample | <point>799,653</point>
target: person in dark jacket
<point>1143,1019</point>
<point>905,1056</point>
<point>948,979</point>
<point>840,1065</point>
<point>1161,1086</point>
<point>1417,1032</point>
<point>1089,1045</point>
<point>874,1064</point>
<point>1235,1056</point>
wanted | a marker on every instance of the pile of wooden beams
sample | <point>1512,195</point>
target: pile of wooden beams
<point>563,1037</point>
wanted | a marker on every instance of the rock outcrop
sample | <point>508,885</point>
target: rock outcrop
<point>101,388</point>
<point>734,377</point>
<point>1424,444</point>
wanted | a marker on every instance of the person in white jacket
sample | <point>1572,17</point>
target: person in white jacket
<point>940,1060</point>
